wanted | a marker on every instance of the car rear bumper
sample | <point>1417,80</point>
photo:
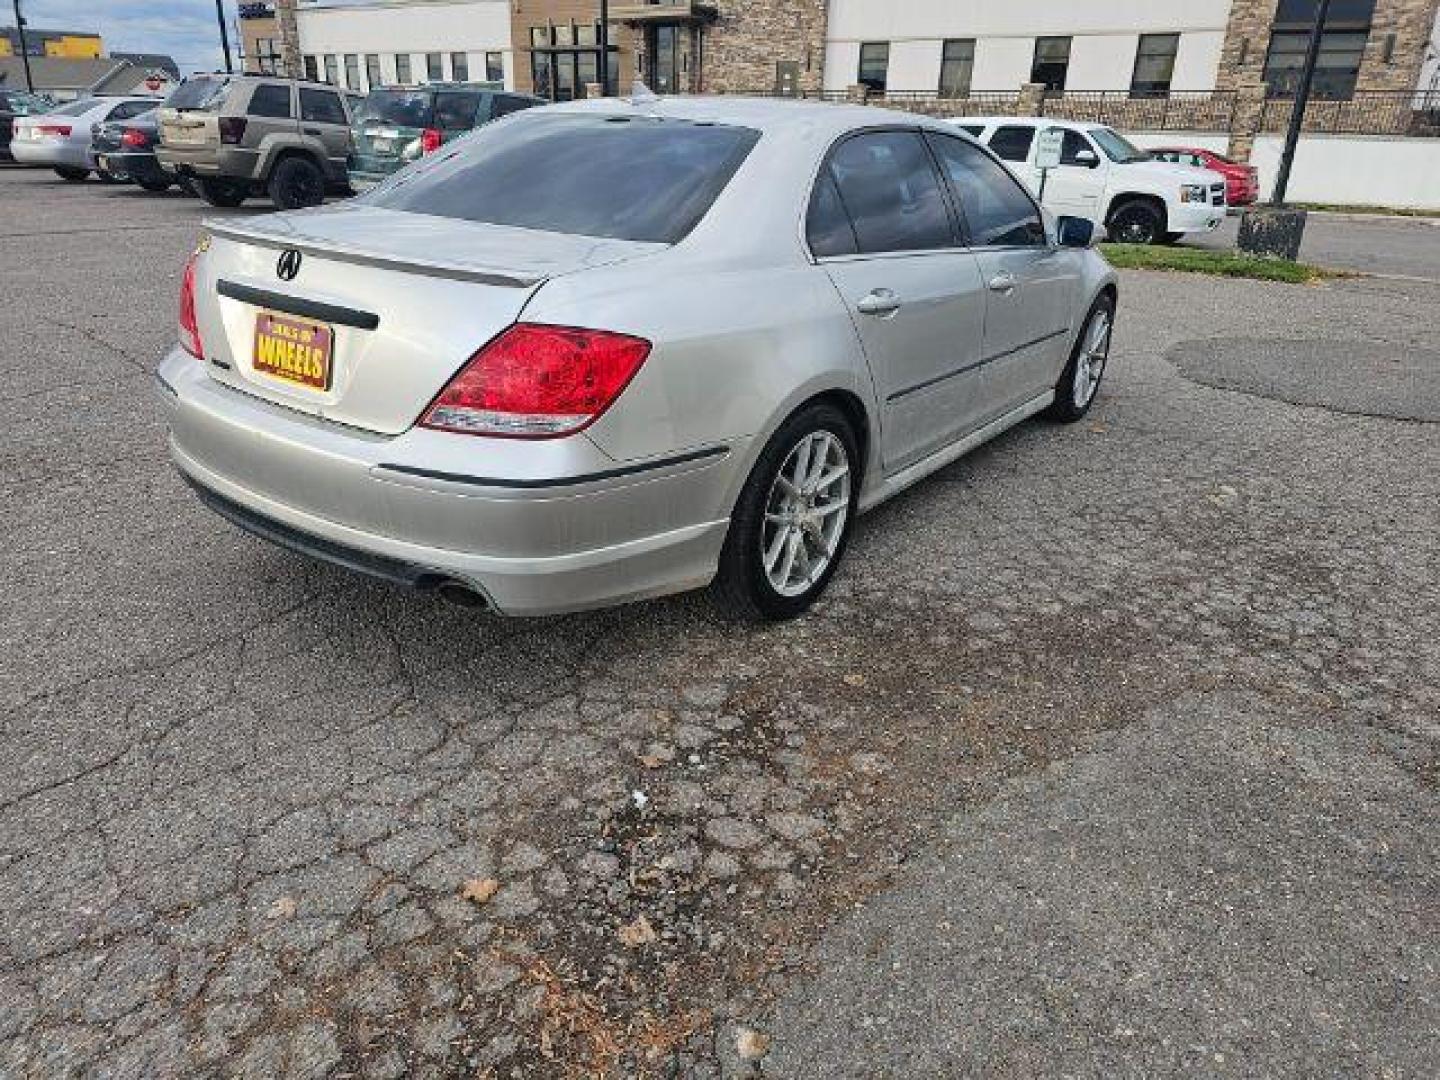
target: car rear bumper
<point>230,162</point>
<point>135,166</point>
<point>596,533</point>
<point>54,154</point>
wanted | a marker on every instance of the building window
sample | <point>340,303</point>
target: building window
<point>434,68</point>
<point>373,78</point>
<point>352,71</point>
<point>874,65</point>
<point>1052,62</point>
<point>1342,47</point>
<point>565,59</point>
<point>494,67</point>
<point>332,69</point>
<point>402,68</point>
<point>1154,65</point>
<point>460,67</point>
<point>312,69</point>
<point>957,64</point>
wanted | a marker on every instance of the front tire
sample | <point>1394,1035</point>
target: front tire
<point>793,519</point>
<point>154,186</point>
<point>1080,381</point>
<point>1137,221</point>
<point>223,193</point>
<point>71,174</point>
<point>296,182</point>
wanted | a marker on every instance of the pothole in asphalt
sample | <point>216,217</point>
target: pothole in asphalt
<point>1366,378</point>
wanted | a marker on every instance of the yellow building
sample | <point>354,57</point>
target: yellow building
<point>75,46</point>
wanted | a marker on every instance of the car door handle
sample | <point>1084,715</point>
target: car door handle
<point>878,302</point>
<point>1004,283</point>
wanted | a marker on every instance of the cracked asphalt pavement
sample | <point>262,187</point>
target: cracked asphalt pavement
<point>1112,751</point>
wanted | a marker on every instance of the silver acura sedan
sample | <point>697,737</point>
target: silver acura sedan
<point>604,351</point>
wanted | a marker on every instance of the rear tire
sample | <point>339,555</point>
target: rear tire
<point>224,193</point>
<point>1079,383</point>
<point>71,173</point>
<point>296,182</point>
<point>789,532</point>
<point>1136,221</point>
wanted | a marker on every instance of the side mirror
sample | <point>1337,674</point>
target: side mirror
<point>1087,158</point>
<point>1075,232</point>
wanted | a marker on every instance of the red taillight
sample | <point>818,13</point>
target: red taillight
<point>62,130</point>
<point>232,128</point>
<point>538,381</point>
<point>430,140</point>
<point>134,137</point>
<point>189,328</point>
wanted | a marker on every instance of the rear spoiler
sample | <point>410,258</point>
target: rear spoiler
<point>260,237</point>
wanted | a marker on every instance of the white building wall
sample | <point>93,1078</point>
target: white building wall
<point>1355,170</point>
<point>1105,32</point>
<point>417,27</point>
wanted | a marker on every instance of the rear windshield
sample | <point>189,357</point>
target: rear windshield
<point>404,108</point>
<point>75,108</point>
<point>618,177</point>
<point>197,92</point>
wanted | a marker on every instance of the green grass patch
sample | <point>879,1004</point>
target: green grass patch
<point>1219,263</point>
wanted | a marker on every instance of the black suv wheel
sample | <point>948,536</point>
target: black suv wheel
<point>296,182</point>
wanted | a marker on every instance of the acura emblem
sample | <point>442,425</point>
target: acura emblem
<point>288,265</point>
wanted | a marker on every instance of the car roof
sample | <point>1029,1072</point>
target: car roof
<point>1028,121</point>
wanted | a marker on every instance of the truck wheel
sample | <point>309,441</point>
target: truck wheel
<point>224,193</point>
<point>1137,221</point>
<point>70,173</point>
<point>296,182</point>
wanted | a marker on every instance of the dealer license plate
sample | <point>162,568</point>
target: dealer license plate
<point>296,350</point>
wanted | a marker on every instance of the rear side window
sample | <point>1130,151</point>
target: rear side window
<point>973,130</point>
<point>889,188</point>
<point>270,99</point>
<point>828,226</point>
<point>198,92</point>
<point>619,177</point>
<point>321,106</point>
<point>1012,143</point>
<point>997,211</point>
<point>456,112</point>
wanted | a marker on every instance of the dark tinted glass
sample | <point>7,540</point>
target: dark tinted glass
<point>128,109</point>
<point>456,111</point>
<point>1012,143</point>
<point>404,108</point>
<point>197,92</point>
<point>321,106</point>
<point>828,225</point>
<point>270,99</point>
<point>890,189</point>
<point>997,211</point>
<point>505,105</point>
<point>616,177</point>
<point>1070,149</point>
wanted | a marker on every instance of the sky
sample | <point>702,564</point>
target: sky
<point>185,29</point>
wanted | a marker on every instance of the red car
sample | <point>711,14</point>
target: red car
<point>1242,182</point>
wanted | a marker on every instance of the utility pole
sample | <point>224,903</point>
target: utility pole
<point>1302,100</point>
<point>604,48</point>
<point>224,34</point>
<point>24,48</point>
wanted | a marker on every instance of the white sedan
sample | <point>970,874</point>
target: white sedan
<point>615,349</point>
<point>60,138</point>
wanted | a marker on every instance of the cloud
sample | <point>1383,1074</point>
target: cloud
<point>185,29</point>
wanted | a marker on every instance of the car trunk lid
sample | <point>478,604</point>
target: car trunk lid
<point>401,300</point>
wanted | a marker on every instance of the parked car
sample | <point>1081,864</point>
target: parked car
<point>237,135</point>
<point>1242,182</point>
<point>125,149</point>
<point>605,351</point>
<point>60,138</point>
<point>15,103</point>
<point>1102,176</point>
<point>398,124</point>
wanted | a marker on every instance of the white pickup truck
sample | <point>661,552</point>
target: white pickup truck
<point>1104,177</point>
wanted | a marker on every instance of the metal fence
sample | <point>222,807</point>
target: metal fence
<point>1200,111</point>
<point>1366,112</point>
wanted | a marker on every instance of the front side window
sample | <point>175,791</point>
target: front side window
<point>635,178</point>
<point>1074,144</point>
<point>874,65</point>
<point>1154,65</point>
<point>957,64</point>
<point>270,99</point>
<point>1051,64</point>
<point>460,66</point>
<point>997,211</point>
<point>321,106</point>
<point>1117,148</point>
<point>1012,142</point>
<point>891,192</point>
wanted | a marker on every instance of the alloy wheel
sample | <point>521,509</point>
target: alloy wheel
<point>1090,363</point>
<point>805,513</point>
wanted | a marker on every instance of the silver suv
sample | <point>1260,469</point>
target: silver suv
<point>234,136</point>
